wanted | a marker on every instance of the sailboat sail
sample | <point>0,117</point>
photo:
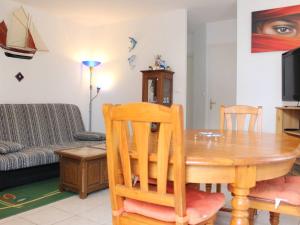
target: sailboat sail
<point>39,43</point>
<point>21,39</point>
<point>18,33</point>
<point>30,41</point>
<point>3,33</point>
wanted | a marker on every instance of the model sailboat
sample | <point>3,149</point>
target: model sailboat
<point>20,38</point>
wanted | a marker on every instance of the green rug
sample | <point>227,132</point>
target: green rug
<point>23,198</point>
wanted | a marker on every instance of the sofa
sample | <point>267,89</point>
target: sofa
<point>39,129</point>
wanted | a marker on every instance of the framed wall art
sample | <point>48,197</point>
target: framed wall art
<point>276,29</point>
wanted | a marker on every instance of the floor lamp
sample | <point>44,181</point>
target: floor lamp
<point>91,64</point>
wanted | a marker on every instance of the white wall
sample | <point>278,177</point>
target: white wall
<point>58,76</point>
<point>50,77</point>
<point>259,74</point>
<point>164,34</point>
<point>220,32</point>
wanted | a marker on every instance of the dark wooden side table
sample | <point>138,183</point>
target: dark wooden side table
<point>83,170</point>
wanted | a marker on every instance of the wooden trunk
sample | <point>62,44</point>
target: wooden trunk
<point>83,173</point>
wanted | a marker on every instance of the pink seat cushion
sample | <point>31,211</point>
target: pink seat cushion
<point>200,207</point>
<point>285,188</point>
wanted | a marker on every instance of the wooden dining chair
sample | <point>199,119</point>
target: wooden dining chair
<point>236,118</point>
<point>239,113</point>
<point>135,160</point>
<point>278,196</point>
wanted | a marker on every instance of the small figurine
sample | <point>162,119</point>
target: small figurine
<point>157,62</point>
<point>162,64</point>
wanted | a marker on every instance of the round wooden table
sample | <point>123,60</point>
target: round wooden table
<point>238,158</point>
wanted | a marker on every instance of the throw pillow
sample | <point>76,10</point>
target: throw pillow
<point>89,136</point>
<point>9,147</point>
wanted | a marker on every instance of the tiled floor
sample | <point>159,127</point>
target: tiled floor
<point>95,210</point>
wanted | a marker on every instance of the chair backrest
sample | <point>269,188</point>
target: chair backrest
<point>126,151</point>
<point>239,113</point>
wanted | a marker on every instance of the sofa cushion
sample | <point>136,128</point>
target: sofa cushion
<point>9,147</point>
<point>37,156</point>
<point>39,124</point>
<point>89,136</point>
<point>64,121</point>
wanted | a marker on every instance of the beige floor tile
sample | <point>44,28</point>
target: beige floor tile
<point>101,196</point>
<point>46,216</point>
<point>263,219</point>
<point>100,215</point>
<point>76,220</point>
<point>16,221</point>
<point>223,218</point>
<point>95,210</point>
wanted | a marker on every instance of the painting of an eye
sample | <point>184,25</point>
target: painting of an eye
<point>283,29</point>
<point>276,29</point>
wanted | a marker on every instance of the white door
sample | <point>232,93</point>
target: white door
<point>221,80</point>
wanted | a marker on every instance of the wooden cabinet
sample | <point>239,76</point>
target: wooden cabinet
<point>288,121</point>
<point>158,86</point>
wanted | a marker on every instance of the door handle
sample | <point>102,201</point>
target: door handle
<point>211,104</point>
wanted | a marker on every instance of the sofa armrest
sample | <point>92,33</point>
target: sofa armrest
<point>89,136</point>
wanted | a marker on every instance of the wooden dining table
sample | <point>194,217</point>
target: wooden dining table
<point>237,158</point>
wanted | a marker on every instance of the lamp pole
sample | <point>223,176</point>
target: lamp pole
<point>91,101</point>
<point>91,64</point>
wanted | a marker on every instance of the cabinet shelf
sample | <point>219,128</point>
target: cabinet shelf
<point>295,133</point>
<point>288,122</point>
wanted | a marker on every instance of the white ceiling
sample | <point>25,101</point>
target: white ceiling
<point>99,12</point>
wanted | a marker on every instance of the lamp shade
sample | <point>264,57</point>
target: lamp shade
<point>91,63</point>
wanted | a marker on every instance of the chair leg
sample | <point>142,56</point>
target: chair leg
<point>274,218</point>
<point>208,187</point>
<point>219,188</point>
<point>252,213</point>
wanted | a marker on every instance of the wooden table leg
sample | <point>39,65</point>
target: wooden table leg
<point>245,179</point>
<point>240,207</point>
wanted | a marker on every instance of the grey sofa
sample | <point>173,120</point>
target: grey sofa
<point>42,129</point>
